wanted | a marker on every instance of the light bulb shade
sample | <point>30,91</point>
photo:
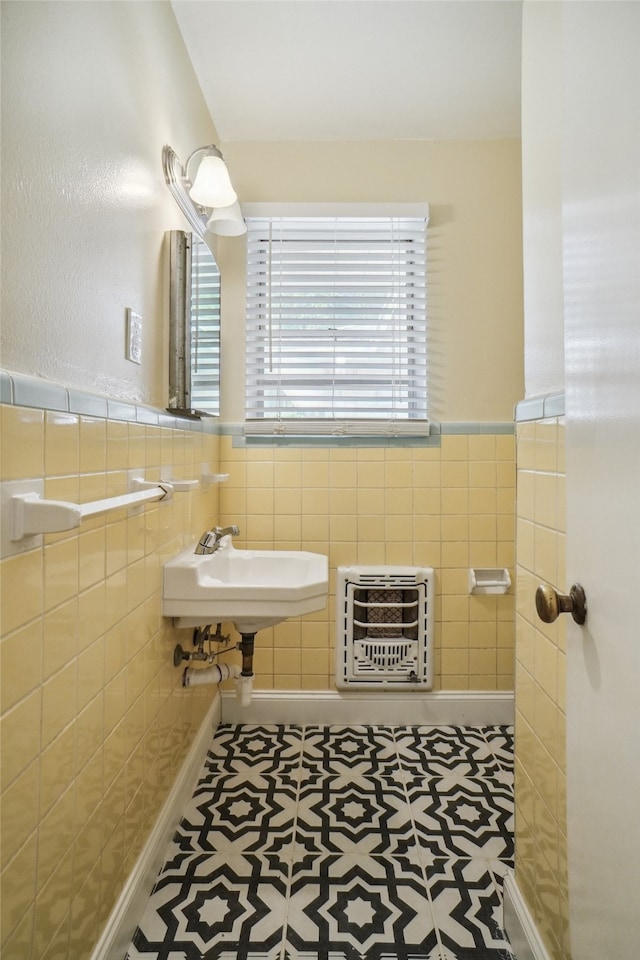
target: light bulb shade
<point>212,186</point>
<point>227,221</point>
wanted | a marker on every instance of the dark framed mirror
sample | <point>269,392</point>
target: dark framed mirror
<point>194,327</point>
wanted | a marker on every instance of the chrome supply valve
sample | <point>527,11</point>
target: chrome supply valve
<point>210,540</point>
<point>202,635</point>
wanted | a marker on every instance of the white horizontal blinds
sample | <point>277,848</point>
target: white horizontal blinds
<point>205,329</point>
<point>336,339</point>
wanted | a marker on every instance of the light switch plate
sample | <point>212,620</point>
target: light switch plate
<point>134,336</point>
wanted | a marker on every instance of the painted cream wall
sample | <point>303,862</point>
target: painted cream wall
<point>474,259</point>
<point>90,93</point>
<point>541,198</point>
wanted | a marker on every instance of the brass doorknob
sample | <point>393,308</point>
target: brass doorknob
<point>551,604</point>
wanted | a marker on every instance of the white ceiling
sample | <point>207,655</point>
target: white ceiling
<point>357,69</point>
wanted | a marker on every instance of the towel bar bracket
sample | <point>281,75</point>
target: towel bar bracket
<point>27,514</point>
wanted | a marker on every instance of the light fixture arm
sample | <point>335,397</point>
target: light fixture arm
<point>175,176</point>
<point>210,150</point>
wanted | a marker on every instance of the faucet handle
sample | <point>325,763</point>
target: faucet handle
<point>211,539</point>
<point>207,542</point>
<point>231,531</point>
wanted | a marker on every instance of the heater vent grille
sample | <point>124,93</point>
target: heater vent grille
<point>384,627</point>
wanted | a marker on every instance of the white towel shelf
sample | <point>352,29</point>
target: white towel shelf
<point>180,486</point>
<point>209,478</point>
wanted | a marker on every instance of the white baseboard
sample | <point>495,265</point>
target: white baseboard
<point>472,707</point>
<point>519,925</point>
<point>122,923</point>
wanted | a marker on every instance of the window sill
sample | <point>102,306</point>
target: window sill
<point>329,440</point>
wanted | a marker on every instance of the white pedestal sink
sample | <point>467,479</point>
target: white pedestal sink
<point>251,588</point>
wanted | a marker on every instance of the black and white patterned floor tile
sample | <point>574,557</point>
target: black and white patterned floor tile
<point>500,739</point>
<point>259,748</point>
<point>357,751</point>
<point>463,818</point>
<point>237,811</point>
<point>347,907</point>
<point>466,902</point>
<point>339,843</point>
<point>215,906</point>
<point>445,752</point>
<point>353,815</point>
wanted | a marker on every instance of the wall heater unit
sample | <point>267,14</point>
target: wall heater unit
<point>384,628</point>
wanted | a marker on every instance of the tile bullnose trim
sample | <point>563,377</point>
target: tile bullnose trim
<point>21,390</point>
<point>554,405</point>
<point>87,404</point>
<point>487,428</point>
<point>121,410</point>
<point>44,394</point>
<point>540,408</point>
<point>6,388</point>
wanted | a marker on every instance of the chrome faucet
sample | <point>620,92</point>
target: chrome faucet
<point>210,540</point>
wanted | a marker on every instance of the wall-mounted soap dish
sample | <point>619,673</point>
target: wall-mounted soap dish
<point>489,580</point>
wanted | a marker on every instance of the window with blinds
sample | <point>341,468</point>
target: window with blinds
<point>205,328</point>
<point>336,325</point>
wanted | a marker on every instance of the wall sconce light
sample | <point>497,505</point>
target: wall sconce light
<point>212,184</point>
<point>227,221</point>
<point>210,190</point>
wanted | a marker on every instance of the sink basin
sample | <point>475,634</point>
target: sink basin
<point>252,588</point>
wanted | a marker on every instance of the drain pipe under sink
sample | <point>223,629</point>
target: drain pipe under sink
<point>193,677</point>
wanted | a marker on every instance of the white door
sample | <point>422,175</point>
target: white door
<point>601,231</point>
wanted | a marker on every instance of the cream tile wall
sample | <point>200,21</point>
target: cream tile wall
<point>541,827</point>
<point>448,507</point>
<point>94,721</point>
